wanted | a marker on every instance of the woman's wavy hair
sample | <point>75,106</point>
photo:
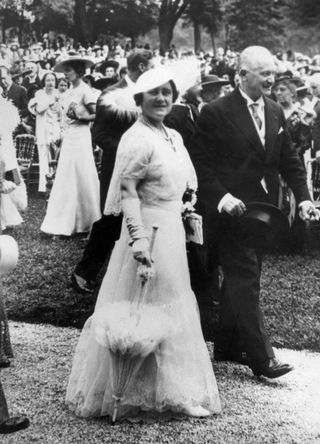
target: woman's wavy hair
<point>138,98</point>
<point>43,80</point>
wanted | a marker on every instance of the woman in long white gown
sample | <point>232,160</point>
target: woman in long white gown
<point>151,173</point>
<point>47,108</point>
<point>73,205</point>
<point>14,196</point>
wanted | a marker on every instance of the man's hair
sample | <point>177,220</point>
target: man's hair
<point>252,53</point>
<point>138,56</point>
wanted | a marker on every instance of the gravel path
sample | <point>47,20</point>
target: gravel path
<point>286,410</point>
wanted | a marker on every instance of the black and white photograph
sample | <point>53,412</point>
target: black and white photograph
<point>159,221</point>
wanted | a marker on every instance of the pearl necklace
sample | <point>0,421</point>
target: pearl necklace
<point>160,131</point>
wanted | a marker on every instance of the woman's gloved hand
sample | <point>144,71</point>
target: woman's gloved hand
<point>141,251</point>
<point>7,186</point>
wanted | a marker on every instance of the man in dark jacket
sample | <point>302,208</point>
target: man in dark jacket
<point>240,146</point>
<point>16,93</point>
<point>111,122</point>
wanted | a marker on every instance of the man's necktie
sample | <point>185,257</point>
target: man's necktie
<point>254,108</point>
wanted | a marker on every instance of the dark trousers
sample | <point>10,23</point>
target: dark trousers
<point>241,318</point>
<point>204,277</point>
<point>102,238</point>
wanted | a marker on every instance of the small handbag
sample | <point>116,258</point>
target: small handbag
<point>194,233</point>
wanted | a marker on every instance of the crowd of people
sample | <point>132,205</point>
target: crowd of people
<point>227,129</point>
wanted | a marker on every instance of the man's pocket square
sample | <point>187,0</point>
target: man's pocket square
<point>280,130</point>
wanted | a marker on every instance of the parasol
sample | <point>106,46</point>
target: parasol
<point>131,330</point>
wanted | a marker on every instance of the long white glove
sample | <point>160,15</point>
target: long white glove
<point>139,240</point>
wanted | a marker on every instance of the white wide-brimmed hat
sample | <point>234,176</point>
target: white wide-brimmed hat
<point>153,78</point>
<point>60,67</point>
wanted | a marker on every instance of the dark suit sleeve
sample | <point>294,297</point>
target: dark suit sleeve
<point>291,167</point>
<point>203,152</point>
<point>316,133</point>
<point>24,103</point>
<point>104,129</point>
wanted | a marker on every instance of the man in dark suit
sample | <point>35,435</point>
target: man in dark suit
<point>240,146</point>
<point>16,93</point>
<point>315,90</point>
<point>111,122</point>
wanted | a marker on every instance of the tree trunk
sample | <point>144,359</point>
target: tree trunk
<point>213,42</point>
<point>20,27</point>
<point>165,34</point>
<point>197,37</point>
<point>80,21</point>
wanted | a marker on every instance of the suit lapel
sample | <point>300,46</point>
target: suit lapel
<point>272,125</point>
<point>242,118</point>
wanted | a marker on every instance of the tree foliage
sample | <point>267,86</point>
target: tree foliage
<point>255,22</point>
<point>169,13</point>
<point>203,14</point>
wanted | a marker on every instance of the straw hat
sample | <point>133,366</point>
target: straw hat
<point>60,67</point>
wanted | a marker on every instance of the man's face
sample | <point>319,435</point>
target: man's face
<point>5,79</point>
<point>315,89</point>
<point>259,77</point>
<point>31,66</point>
<point>110,72</point>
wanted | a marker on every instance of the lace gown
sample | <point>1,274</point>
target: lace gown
<point>74,200</point>
<point>178,373</point>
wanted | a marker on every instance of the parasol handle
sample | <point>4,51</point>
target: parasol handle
<point>117,401</point>
<point>155,229</point>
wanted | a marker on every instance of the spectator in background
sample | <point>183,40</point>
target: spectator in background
<point>16,93</point>
<point>32,82</point>
<point>73,205</point>
<point>315,90</point>
<point>5,58</point>
<point>212,88</point>
<point>47,108</point>
<point>112,120</point>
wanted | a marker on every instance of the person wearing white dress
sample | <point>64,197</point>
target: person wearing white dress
<point>14,194</point>
<point>47,107</point>
<point>73,205</point>
<point>152,172</point>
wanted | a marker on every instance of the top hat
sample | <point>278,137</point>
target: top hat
<point>261,225</point>
<point>268,215</point>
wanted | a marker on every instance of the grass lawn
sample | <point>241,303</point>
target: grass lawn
<point>39,290</point>
<point>254,411</point>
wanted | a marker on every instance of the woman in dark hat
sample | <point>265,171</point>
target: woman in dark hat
<point>299,121</point>
<point>73,205</point>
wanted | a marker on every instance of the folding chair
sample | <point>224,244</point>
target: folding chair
<point>313,180</point>
<point>25,147</point>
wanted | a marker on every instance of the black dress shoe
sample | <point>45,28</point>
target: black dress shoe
<point>271,369</point>
<point>5,363</point>
<point>237,357</point>
<point>14,424</point>
<point>80,284</point>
